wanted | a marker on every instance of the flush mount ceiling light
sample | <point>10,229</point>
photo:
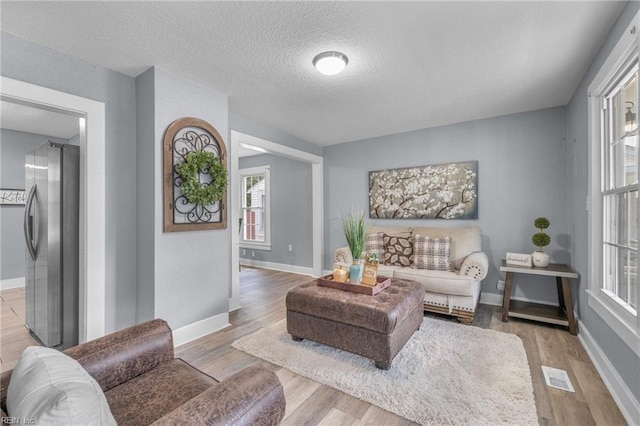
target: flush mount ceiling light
<point>330,63</point>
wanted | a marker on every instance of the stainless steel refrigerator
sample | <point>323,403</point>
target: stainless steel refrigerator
<point>51,229</point>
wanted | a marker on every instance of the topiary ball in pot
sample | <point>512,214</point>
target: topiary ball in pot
<point>540,240</point>
<point>541,223</point>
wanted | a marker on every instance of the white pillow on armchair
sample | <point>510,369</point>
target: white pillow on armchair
<point>51,388</point>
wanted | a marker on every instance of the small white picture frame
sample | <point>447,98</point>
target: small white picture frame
<point>518,259</point>
<point>12,197</point>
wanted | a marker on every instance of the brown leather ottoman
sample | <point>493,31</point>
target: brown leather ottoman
<point>372,326</point>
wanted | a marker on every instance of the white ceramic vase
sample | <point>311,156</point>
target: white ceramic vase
<point>540,259</point>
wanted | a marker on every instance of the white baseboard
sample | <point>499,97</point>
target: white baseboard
<point>234,304</point>
<point>490,299</point>
<point>200,328</point>
<point>11,283</point>
<point>302,270</point>
<point>629,406</point>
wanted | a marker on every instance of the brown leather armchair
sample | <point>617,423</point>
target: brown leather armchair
<point>144,384</point>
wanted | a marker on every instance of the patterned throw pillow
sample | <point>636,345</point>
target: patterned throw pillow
<point>432,253</point>
<point>398,251</point>
<point>374,244</point>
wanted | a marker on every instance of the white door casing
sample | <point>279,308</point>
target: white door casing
<point>91,115</point>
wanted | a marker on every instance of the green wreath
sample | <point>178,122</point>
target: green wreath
<point>197,193</point>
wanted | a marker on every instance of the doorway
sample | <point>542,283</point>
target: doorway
<point>317,220</point>
<point>26,131</point>
<point>91,118</point>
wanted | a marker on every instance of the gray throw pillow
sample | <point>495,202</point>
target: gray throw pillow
<point>432,253</point>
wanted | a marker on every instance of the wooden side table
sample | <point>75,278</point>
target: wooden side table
<point>561,315</point>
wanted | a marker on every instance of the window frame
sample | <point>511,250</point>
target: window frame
<point>253,171</point>
<point>619,62</point>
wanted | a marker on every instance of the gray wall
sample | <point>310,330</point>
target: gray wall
<point>13,147</point>
<point>521,175</point>
<point>290,211</point>
<point>191,270</point>
<point>623,359</point>
<point>31,63</point>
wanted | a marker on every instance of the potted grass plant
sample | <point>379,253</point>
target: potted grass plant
<point>355,233</point>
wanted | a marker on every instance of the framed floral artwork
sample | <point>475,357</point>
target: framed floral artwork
<point>439,191</point>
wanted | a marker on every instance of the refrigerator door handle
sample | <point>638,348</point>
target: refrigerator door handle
<point>28,223</point>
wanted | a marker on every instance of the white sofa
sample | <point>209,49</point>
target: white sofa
<point>455,293</point>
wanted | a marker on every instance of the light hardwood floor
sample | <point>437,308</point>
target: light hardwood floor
<point>14,337</point>
<point>262,295</point>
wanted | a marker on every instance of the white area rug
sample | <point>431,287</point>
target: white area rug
<point>446,374</point>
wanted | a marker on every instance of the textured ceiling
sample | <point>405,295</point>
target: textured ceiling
<point>411,65</point>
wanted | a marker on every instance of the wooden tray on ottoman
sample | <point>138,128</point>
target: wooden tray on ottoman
<point>383,283</point>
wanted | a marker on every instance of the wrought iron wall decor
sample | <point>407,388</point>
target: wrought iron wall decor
<point>439,191</point>
<point>184,139</point>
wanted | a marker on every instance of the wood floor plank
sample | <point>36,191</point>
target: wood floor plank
<point>12,294</point>
<point>10,353</point>
<point>543,401</point>
<point>569,410</point>
<point>352,406</point>
<point>337,417</point>
<point>596,394</point>
<point>12,321</point>
<point>376,416</point>
<point>297,389</point>
<point>313,409</point>
<point>7,314</point>
<point>573,347</point>
<point>9,335</point>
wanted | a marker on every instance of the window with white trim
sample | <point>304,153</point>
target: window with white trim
<point>255,229</point>
<point>620,190</point>
<point>613,189</point>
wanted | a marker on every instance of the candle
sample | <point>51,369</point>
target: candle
<point>340,275</point>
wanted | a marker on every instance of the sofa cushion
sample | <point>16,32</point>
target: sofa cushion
<point>464,241</point>
<point>53,388</point>
<point>432,253</point>
<point>146,398</point>
<point>398,251</point>
<point>444,282</point>
<point>387,270</point>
